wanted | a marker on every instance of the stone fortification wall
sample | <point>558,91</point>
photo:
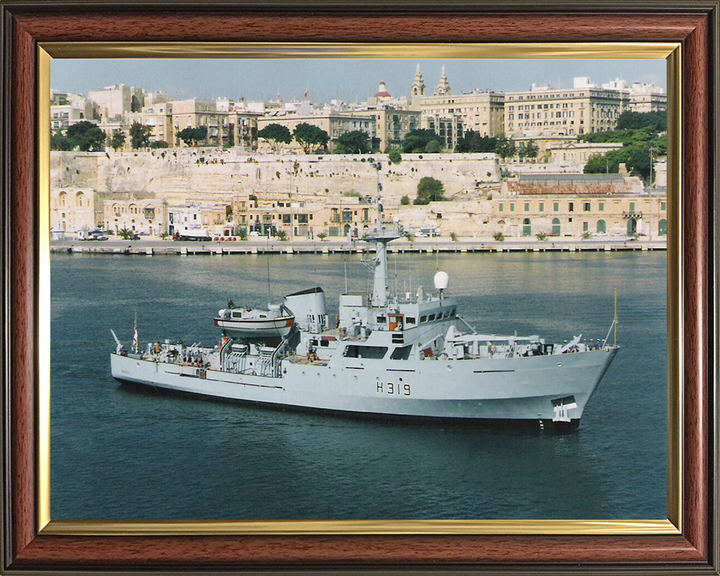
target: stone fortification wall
<point>204,171</point>
<point>464,218</point>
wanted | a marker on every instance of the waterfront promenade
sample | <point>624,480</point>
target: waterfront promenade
<point>155,247</point>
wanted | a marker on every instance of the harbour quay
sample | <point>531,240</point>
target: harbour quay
<point>430,246</point>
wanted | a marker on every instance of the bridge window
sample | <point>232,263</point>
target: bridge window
<point>371,352</point>
<point>401,353</point>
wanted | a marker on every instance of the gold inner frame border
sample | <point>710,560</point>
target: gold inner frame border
<point>669,51</point>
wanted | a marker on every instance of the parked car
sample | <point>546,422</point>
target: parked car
<point>97,235</point>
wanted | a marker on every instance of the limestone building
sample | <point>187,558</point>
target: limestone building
<point>195,113</point>
<point>115,101</point>
<point>159,118</point>
<point>72,210</point>
<point>546,111</point>
<point>579,153</point>
<point>450,116</point>
<point>141,213</point>
<point>69,109</point>
<point>644,97</point>
<point>577,206</point>
<point>392,125</point>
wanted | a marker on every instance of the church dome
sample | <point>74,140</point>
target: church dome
<point>382,91</point>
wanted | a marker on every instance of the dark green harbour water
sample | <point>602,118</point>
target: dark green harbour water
<point>120,452</point>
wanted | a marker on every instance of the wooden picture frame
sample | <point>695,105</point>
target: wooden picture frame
<point>32,546</point>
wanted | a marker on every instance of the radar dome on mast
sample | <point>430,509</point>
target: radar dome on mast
<point>441,280</point>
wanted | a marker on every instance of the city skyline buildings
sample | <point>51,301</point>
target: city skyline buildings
<point>337,79</point>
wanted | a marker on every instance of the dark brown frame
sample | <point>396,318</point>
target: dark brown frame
<point>692,23</point>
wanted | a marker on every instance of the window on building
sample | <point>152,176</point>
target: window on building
<point>586,226</point>
<point>571,207</point>
<point>556,227</point>
<point>501,207</point>
<point>527,227</point>
<point>512,206</point>
<point>632,206</point>
<point>663,206</point>
<point>527,206</point>
<point>586,206</point>
<point>542,207</point>
<point>601,207</point>
<point>556,206</point>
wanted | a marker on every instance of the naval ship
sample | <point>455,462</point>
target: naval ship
<point>382,355</point>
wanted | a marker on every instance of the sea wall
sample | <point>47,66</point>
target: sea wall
<point>212,171</point>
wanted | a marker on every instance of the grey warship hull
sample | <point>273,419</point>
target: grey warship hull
<point>553,387</point>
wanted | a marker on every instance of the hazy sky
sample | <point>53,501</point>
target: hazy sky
<point>347,80</point>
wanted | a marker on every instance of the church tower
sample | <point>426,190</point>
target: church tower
<point>443,88</point>
<point>418,87</point>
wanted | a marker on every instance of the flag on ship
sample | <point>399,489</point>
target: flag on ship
<point>135,337</point>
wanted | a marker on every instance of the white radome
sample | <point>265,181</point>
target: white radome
<point>441,280</point>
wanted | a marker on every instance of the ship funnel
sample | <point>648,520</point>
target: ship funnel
<point>441,281</point>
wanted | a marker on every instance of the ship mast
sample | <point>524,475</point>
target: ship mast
<point>382,237</point>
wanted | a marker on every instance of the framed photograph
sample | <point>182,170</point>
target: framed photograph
<point>365,499</point>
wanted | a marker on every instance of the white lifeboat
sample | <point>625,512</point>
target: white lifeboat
<point>250,323</point>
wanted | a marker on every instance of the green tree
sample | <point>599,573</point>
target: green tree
<point>59,141</point>
<point>158,144</point>
<point>505,148</point>
<point>433,147</point>
<point>310,137</point>
<point>354,142</point>
<point>405,201</point>
<point>191,136</point>
<point>139,135</point>
<point>429,190</point>
<point>117,140</point>
<point>655,121</point>
<point>472,141</point>
<point>531,149</point>
<point>86,136</point>
<point>275,134</point>
<point>601,164</point>
<point>638,162</point>
<point>417,140</point>
<point>395,157</point>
